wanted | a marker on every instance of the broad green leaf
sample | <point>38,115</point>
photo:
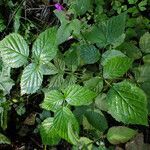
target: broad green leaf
<point>95,84</point>
<point>77,95</point>
<point>120,134</point>
<point>145,86</point>
<point>66,29</point>
<point>115,27</point>
<point>119,40</point>
<point>14,50</point>
<point>142,73</point>
<point>145,43</point>
<point>130,50</point>
<point>146,58</point>
<point>132,1</point>
<point>127,103</point>
<point>61,16</point>
<point>79,113</point>
<point>48,133</point>
<point>84,144</point>
<point>88,54</point>
<point>49,69</point>
<point>6,82</point>
<point>53,100</point>
<point>70,80</point>
<point>75,26</point>
<point>56,82</point>
<point>97,34</point>
<point>142,5</point>
<point>87,126</point>
<point>115,64</point>
<point>59,64</point>
<point>96,119</point>
<point>100,102</point>
<point>45,47</point>
<point>31,79</point>
<point>63,120</point>
<point>4,139</point>
<point>81,7</point>
<point>108,32</point>
<point>72,136</point>
<point>71,58</point>
<point>63,33</point>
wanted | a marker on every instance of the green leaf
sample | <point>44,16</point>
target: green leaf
<point>115,31</point>
<point>49,69</point>
<point>88,54</point>
<point>2,25</point>
<point>81,7</point>
<point>127,103</point>
<point>61,16</point>
<point>45,47</point>
<point>53,100</point>
<point>6,82</point>
<point>85,144</point>
<point>63,33</point>
<point>108,32</point>
<point>145,43</point>
<point>17,21</point>
<point>96,119</point>
<point>66,29</point>
<point>64,120</point>
<point>71,58</point>
<point>132,1</point>
<point>4,139</point>
<point>77,95</point>
<point>100,102</point>
<point>56,82</point>
<point>97,34</point>
<point>115,64</point>
<point>142,5</point>
<point>120,134</point>
<point>48,133</point>
<point>145,86</point>
<point>70,80</point>
<point>31,79</point>
<point>14,50</point>
<point>146,59</point>
<point>142,73</point>
<point>119,40</point>
<point>75,26</point>
<point>130,50</point>
<point>95,84</point>
<point>59,64</point>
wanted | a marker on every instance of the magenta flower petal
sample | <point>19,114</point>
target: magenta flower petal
<point>59,7</point>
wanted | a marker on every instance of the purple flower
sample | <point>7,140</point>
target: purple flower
<point>59,7</point>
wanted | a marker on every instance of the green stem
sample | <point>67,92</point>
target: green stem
<point>45,147</point>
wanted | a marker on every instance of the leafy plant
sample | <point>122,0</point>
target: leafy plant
<point>84,70</point>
